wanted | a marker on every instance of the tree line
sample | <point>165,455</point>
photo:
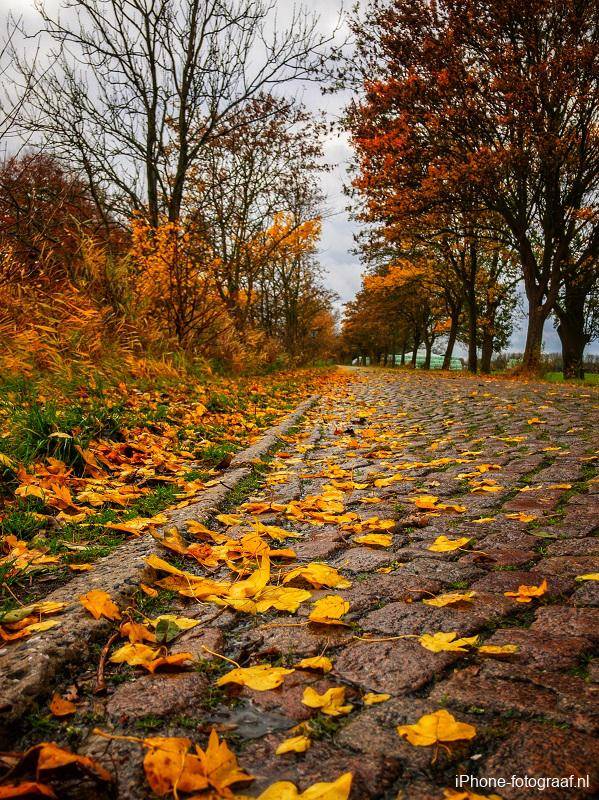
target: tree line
<point>475,132</point>
<point>161,179</point>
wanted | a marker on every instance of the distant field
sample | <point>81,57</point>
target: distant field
<point>591,378</point>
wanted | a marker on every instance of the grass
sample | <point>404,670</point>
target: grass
<point>590,379</point>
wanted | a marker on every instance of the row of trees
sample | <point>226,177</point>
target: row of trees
<point>476,139</point>
<point>167,178</point>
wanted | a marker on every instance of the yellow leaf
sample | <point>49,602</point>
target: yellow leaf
<point>444,545</point>
<point>375,539</point>
<point>526,593</point>
<point>319,575</point>
<point>450,597</point>
<point>331,702</point>
<point>149,590</point>
<point>134,654</point>
<point>220,765</point>
<point>498,650</point>
<point>337,790</point>
<point>440,726</point>
<point>316,662</point>
<point>262,678</point>
<point>438,642</point>
<point>424,501</point>
<point>521,517</point>
<point>80,567</point>
<point>371,698</point>
<point>295,744</point>
<point>99,604</point>
<point>483,520</point>
<point>590,576</point>
<point>282,598</point>
<point>230,520</point>
<point>284,790</point>
<point>465,794</point>
<point>29,490</point>
<point>329,610</point>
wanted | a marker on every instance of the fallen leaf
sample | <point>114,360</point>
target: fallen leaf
<point>295,744</point>
<point>438,642</point>
<point>316,662</point>
<point>375,539</point>
<point>590,576</point>
<point>261,678</point>
<point>284,790</point>
<point>99,604</point>
<point>444,545</point>
<point>371,698</point>
<point>498,650</point>
<point>61,707</point>
<point>331,702</point>
<point>329,610</point>
<point>449,598</point>
<point>440,726</point>
<point>25,789</point>
<point>319,575</point>
<point>526,593</point>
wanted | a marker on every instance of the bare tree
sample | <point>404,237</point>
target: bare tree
<point>140,87</point>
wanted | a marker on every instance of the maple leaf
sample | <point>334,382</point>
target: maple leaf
<point>316,662</point>
<point>318,575</point>
<point>331,702</point>
<point>525,594</point>
<point>136,632</point>
<point>99,604</point>
<point>371,698</point>
<point>169,765</point>
<point>444,545</point>
<point>220,765</point>
<point>449,598</point>
<point>329,610</point>
<point>440,726</point>
<point>261,678</point>
<point>295,744</point>
<point>438,642</point>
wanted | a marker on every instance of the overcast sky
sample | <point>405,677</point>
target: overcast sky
<point>343,268</point>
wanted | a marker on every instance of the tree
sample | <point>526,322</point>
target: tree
<point>137,89</point>
<point>495,101</point>
<point>266,169</point>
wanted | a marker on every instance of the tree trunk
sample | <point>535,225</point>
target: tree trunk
<point>472,326</point>
<point>537,315</point>
<point>429,349</point>
<point>404,345</point>
<point>453,333</point>
<point>486,352</point>
<point>571,316</point>
<point>415,351</point>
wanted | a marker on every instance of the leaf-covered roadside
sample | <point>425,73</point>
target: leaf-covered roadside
<point>86,464</point>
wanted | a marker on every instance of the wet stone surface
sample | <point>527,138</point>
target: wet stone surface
<point>423,454</point>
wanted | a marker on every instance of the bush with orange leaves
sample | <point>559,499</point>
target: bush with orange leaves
<point>174,286</point>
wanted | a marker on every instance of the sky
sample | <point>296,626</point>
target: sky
<point>341,265</point>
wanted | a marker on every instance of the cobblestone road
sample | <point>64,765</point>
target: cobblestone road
<point>508,466</point>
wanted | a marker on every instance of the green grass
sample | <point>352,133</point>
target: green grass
<point>590,379</point>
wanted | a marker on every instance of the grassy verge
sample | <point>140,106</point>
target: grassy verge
<point>79,456</point>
